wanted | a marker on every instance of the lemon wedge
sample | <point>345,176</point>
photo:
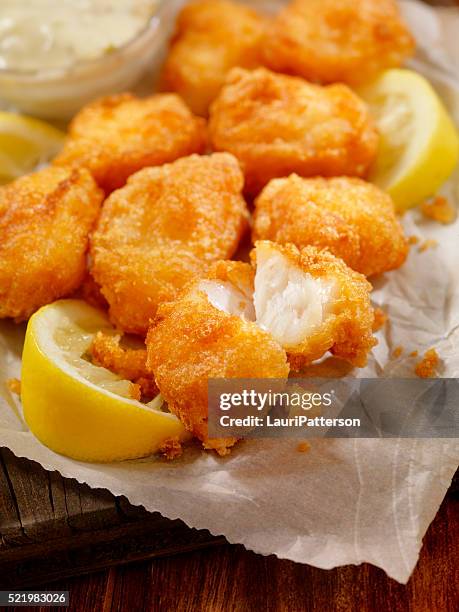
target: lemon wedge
<point>25,143</point>
<point>76,408</point>
<point>419,146</point>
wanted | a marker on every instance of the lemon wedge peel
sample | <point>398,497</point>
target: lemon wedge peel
<point>25,144</point>
<point>419,142</point>
<point>75,417</point>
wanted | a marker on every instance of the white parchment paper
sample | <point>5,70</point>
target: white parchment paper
<point>346,501</point>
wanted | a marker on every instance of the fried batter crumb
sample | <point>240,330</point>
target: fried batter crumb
<point>380,319</point>
<point>171,448</point>
<point>427,244</point>
<point>14,385</point>
<point>303,447</point>
<point>414,353</point>
<point>427,367</point>
<point>413,240</point>
<point>439,209</point>
<point>398,351</point>
<point>130,364</point>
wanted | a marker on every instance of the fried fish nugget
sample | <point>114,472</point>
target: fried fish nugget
<point>239,322</point>
<point>276,124</point>
<point>167,225</point>
<point>331,41</point>
<point>195,340</point>
<point>311,302</point>
<point>118,135</point>
<point>45,220</point>
<point>353,219</point>
<point>212,36</point>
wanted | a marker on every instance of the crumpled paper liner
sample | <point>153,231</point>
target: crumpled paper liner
<point>345,501</point>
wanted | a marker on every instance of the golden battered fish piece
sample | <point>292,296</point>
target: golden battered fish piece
<point>45,221</point>
<point>212,36</point>
<point>118,135</point>
<point>353,219</point>
<point>194,340</point>
<point>241,322</point>
<point>329,41</point>
<point>311,302</point>
<point>276,125</point>
<point>166,226</point>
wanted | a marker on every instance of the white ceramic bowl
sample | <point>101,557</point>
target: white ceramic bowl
<point>59,94</point>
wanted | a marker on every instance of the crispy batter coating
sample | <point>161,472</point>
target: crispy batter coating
<point>439,209</point>
<point>428,366</point>
<point>14,385</point>
<point>129,363</point>
<point>45,220</point>
<point>330,41</point>
<point>276,125</point>
<point>171,448</point>
<point>430,243</point>
<point>162,229</point>
<point>381,319</point>
<point>212,36</point>
<point>355,220</point>
<point>118,135</point>
<point>312,302</point>
<point>193,341</point>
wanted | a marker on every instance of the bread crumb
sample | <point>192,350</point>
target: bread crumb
<point>413,239</point>
<point>439,209</point>
<point>427,367</point>
<point>303,447</point>
<point>398,351</point>
<point>380,319</point>
<point>14,385</point>
<point>171,448</point>
<point>414,353</point>
<point>427,244</point>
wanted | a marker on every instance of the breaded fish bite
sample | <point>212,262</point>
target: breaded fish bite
<point>45,220</point>
<point>163,228</point>
<point>206,334</point>
<point>241,322</point>
<point>331,41</point>
<point>276,124</point>
<point>118,135</point>
<point>355,220</point>
<point>212,36</point>
<point>311,302</point>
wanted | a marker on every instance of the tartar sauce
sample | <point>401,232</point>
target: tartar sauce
<point>52,34</point>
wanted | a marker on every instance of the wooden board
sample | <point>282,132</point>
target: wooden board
<point>52,527</point>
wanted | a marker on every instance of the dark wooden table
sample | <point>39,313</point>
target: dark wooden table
<point>230,578</point>
<point>52,528</point>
